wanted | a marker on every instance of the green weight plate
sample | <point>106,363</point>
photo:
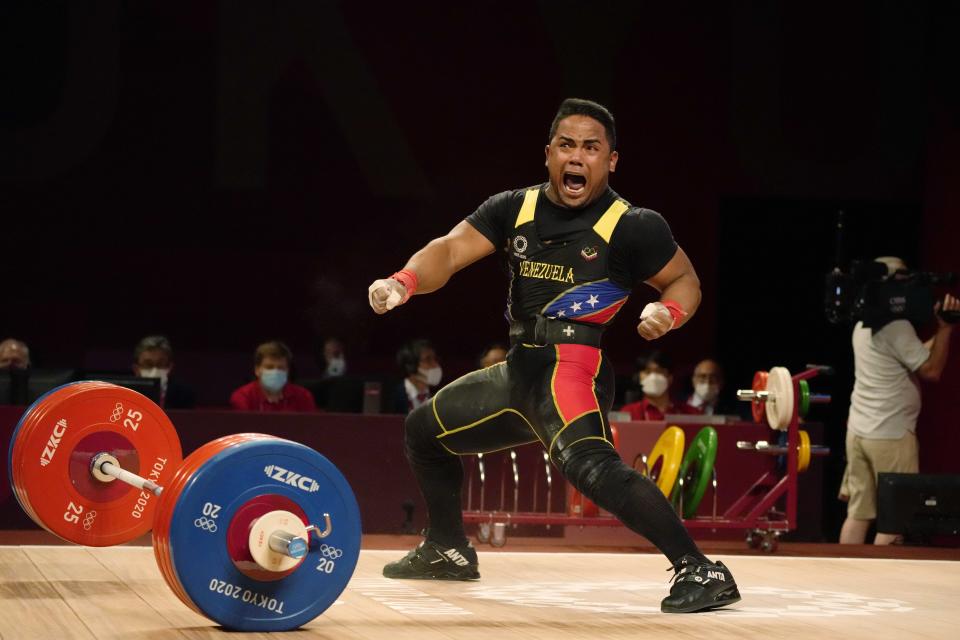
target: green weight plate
<point>696,470</point>
<point>804,398</point>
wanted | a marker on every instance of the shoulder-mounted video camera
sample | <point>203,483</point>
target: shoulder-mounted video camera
<point>870,292</point>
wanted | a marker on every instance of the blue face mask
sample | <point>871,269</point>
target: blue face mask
<point>273,380</point>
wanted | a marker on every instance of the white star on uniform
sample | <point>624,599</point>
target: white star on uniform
<point>561,313</point>
<point>592,301</point>
<point>575,306</point>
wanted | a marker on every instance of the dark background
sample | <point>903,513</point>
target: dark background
<point>227,172</point>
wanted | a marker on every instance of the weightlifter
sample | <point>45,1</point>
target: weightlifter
<point>575,250</point>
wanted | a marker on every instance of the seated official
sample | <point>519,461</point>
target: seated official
<point>655,380</point>
<point>334,359</point>
<point>422,374</point>
<point>272,391</point>
<point>153,358</point>
<point>14,355</point>
<point>708,397</point>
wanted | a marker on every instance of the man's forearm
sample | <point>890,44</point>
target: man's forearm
<point>433,265</point>
<point>939,349</point>
<point>685,291</point>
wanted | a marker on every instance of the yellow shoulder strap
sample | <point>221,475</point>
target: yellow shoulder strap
<point>608,221</point>
<point>528,207</point>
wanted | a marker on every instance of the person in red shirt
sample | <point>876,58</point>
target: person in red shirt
<point>655,380</point>
<point>271,391</point>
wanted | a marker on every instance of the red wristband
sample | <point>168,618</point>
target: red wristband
<point>675,310</point>
<point>408,279</point>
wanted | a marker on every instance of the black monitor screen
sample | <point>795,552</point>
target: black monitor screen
<point>41,381</point>
<point>13,386</point>
<point>918,505</point>
<point>149,387</point>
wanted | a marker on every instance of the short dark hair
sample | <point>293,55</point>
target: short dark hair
<point>656,357</point>
<point>153,342</point>
<point>490,347</point>
<point>591,109</point>
<point>408,357</point>
<point>272,349</point>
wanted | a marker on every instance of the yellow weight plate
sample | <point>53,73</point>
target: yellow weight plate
<point>669,446</point>
<point>803,451</point>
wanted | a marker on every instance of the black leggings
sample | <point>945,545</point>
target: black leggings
<point>559,395</point>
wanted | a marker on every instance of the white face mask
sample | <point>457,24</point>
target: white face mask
<point>432,375</point>
<point>156,372</point>
<point>654,384</point>
<point>336,367</point>
<point>706,392</point>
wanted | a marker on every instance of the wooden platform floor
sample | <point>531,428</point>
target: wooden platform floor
<point>76,592</point>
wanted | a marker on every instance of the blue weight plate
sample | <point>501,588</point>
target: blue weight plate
<point>198,546</point>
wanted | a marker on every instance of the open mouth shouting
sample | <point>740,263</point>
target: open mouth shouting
<point>574,185</point>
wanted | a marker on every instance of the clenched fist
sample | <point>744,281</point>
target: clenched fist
<point>655,320</point>
<point>386,294</point>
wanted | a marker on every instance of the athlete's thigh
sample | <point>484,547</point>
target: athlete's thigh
<point>572,399</point>
<point>477,413</point>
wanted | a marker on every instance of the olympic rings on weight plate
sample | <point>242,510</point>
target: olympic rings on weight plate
<point>201,565</point>
<point>51,456</point>
<point>164,517</point>
<point>52,450</point>
<point>330,552</point>
<point>206,524</point>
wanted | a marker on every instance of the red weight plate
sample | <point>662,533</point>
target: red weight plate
<point>758,407</point>
<point>55,453</point>
<point>77,460</point>
<point>35,414</point>
<point>168,501</point>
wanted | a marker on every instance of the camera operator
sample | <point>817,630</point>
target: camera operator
<point>884,405</point>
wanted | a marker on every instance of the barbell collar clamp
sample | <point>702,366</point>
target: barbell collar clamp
<point>105,468</point>
<point>328,528</point>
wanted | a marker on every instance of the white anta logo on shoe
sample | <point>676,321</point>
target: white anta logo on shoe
<point>716,575</point>
<point>457,557</point>
<point>277,472</point>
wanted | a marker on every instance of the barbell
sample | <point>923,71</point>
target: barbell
<point>773,398</point>
<point>805,450</point>
<point>255,532</point>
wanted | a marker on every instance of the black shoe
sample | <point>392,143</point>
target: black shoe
<point>430,561</point>
<point>698,586</point>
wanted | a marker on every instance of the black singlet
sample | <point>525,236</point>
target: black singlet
<point>576,264</point>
